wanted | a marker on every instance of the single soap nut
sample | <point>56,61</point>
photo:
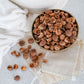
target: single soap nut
<point>10,68</point>
<point>31,65</point>
<point>33,52</point>
<point>17,78</point>
<point>25,55</point>
<point>21,50</point>
<point>23,68</point>
<point>21,42</point>
<point>26,50</point>
<point>29,46</point>
<point>13,52</point>
<point>17,54</point>
<point>15,66</point>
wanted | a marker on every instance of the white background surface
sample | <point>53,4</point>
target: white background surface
<point>76,8</point>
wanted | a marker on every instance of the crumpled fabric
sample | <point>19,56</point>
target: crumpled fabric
<point>13,25</point>
<point>62,62</point>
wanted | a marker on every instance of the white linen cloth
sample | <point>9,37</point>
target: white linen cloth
<point>12,26</point>
<point>63,62</point>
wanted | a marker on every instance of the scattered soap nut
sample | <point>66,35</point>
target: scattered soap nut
<point>40,54</point>
<point>13,52</point>
<point>9,68</point>
<point>29,46</point>
<point>26,50</point>
<point>21,42</point>
<point>31,65</point>
<point>21,50</point>
<point>30,40</point>
<point>35,64</point>
<point>23,68</point>
<point>44,61</point>
<point>17,78</point>
<point>33,52</point>
<point>25,55</point>
<point>35,58</point>
<point>15,66</point>
<point>17,54</point>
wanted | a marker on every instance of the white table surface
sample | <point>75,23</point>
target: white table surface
<point>76,8</point>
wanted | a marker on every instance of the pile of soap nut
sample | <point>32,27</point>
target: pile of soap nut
<point>55,30</point>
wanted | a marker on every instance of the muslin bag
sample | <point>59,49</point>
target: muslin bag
<point>63,62</point>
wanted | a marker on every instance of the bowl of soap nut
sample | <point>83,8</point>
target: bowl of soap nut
<point>55,30</point>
